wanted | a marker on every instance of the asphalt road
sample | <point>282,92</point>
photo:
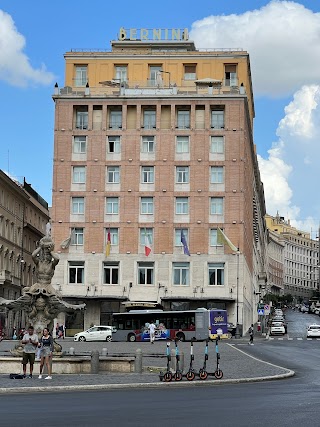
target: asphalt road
<point>292,402</point>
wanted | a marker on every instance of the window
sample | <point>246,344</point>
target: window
<point>111,273</point>
<point>154,69</point>
<point>216,206</point>
<point>121,72</point>
<point>231,75</point>
<point>182,145</point>
<point>145,273</point>
<point>112,205</point>
<point>113,173</point>
<point>114,236</point>
<point>214,237</point>
<point>216,274</point>
<point>146,205</point>
<point>182,174</point>
<point>79,174</point>
<point>115,119</point>
<point>81,75</point>
<point>76,272</point>
<point>217,145</point>
<point>146,236</point>
<point>177,236</point>
<point>181,273</point>
<point>147,174</point>
<point>183,119</point>
<point>182,205</point>
<point>80,144</point>
<point>190,72</point>
<point>78,205</point>
<point>82,118</point>
<point>148,144</point>
<point>149,119</point>
<point>217,175</point>
<point>217,119</point>
<point>77,237</point>
<point>113,144</point>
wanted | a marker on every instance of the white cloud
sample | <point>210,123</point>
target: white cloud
<point>282,38</point>
<point>298,144</point>
<point>15,67</point>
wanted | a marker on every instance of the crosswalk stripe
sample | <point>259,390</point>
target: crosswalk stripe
<point>299,339</point>
<point>309,339</point>
<point>290,339</point>
<point>280,339</point>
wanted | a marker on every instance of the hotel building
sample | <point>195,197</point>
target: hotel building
<point>153,146</point>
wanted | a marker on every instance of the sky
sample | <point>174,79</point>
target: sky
<point>282,38</point>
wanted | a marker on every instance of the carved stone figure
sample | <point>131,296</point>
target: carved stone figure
<point>41,302</point>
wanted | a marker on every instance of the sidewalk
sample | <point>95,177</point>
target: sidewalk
<point>237,366</point>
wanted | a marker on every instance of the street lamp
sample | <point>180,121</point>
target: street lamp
<point>237,334</point>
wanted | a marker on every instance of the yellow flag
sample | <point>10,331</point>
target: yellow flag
<point>108,243</point>
<point>222,239</point>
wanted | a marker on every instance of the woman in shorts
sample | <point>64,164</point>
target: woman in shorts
<point>46,346</point>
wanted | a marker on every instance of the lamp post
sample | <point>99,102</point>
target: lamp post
<point>237,334</point>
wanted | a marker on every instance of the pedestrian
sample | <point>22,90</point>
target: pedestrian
<point>152,329</point>
<point>61,331</point>
<point>30,341</point>
<point>57,330</point>
<point>14,334</point>
<point>46,346</point>
<point>251,334</point>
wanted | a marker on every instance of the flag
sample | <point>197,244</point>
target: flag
<point>222,239</point>
<point>108,246</point>
<point>184,243</point>
<point>147,244</point>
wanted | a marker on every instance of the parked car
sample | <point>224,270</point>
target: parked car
<point>277,328</point>
<point>313,331</point>
<point>304,309</point>
<point>95,333</point>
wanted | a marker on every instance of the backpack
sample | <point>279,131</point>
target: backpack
<point>16,377</point>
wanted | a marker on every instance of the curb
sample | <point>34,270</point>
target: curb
<point>53,389</point>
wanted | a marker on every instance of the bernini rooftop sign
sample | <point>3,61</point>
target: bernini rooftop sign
<point>155,34</point>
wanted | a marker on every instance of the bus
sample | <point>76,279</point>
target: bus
<point>199,324</point>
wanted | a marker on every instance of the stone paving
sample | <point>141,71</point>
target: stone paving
<point>235,364</point>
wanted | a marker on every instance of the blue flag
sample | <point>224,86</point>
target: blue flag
<point>185,244</point>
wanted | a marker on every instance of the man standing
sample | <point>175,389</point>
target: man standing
<point>251,335</point>
<point>30,341</point>
<point>152,329</point>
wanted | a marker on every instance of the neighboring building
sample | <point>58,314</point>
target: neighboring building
<point>23,218</point>
<point>301,258</point>
<point>276,249</point>
<point>153,142</point>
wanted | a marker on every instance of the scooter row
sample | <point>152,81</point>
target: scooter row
<point>191,374</point>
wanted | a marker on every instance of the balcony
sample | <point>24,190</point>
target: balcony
<point>111,88</point>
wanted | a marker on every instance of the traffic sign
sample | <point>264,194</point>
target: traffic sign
<point>266,309</point>
<point>260,312</point>
<point>260,305</point>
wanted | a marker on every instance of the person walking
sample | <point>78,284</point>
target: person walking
<point>30,341</point>
<point>251,334</point>
<point>46,346</point>
<point>152,329</point>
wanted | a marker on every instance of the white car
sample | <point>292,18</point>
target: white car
<point>95,333</point>
<point>313,331</point>
<point>277,328</point>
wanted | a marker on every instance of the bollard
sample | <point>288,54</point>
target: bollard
<point>95,362</point>
<point>138,361</point>
<point>173,363</point>
<point>71,351</point>
<point>104,352</point>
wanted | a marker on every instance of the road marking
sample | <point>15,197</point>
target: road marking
<point>299,339</point>
<point>290,339</point>
<point>280,339</point>
<point>318,339</point>
<point>271,338</point>
<point>309,339</point>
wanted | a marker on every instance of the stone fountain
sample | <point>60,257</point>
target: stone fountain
<point>41,302</point>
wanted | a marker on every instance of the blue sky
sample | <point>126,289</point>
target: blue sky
<point>283,39</point>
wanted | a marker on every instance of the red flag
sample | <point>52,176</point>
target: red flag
<point>147,245</point>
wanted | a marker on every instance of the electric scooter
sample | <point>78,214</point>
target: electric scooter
<point>203,374</point>
<point>167,376</point>
<point>190,375</point>
<point>218,374</point>
<point>178,374</point>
